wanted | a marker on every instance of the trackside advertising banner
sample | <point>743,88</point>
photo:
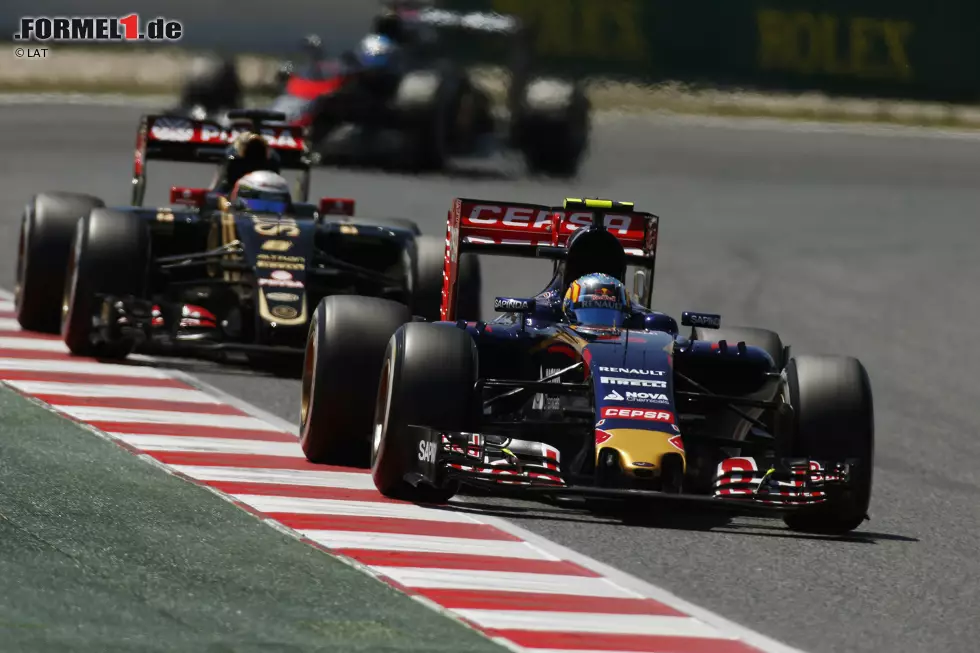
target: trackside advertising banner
<point>872,47</point>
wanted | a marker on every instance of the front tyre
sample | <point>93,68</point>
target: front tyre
<point>110,256</point>
<point>834,421</point>
<point>427,379</point>
<point>344,352</point>
<point>46,232</point>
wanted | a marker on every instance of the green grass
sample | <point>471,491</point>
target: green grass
<point>101,552</point>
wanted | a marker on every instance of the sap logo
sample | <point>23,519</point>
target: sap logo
<point>427,451</point>
<point>636,383</point>
<point>637,413</point>
<point>614,396</point>
<point>647,397</point>
<point>630,370</point>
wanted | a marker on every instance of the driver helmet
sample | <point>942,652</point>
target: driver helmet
<point>374,51</point>
<point>261,192</point>
<point>596,300</point>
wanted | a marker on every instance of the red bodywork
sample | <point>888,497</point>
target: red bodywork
<point>327,80</point>
<point>482,225</point>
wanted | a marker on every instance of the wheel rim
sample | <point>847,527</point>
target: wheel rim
<point>21,264</point>
<point>71,281</point>
<point>381,409</point>
<point>309,372</point>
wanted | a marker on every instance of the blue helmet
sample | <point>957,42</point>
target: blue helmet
<point>262,191</point>
<point>374,51</point>
<point>596,300</point>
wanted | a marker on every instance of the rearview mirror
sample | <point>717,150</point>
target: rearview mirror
<point>336,206</point>
<point>706,320</point>
<point>640,279</point>
<point>188,196</point>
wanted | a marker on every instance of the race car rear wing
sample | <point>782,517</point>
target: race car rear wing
<point>169,138</point>
<point>538,231</point>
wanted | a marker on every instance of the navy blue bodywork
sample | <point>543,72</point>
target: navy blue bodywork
<point>646,366</point>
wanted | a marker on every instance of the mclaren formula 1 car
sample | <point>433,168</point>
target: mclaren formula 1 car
<point>539,405</point>
<point>417,105</point>
<point>203,275</point>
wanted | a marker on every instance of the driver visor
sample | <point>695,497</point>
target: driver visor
<point>260,205</point>
<point>599,317</point>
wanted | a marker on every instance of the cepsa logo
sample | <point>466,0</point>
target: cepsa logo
<point>538,219</point>
<point>615,412</point>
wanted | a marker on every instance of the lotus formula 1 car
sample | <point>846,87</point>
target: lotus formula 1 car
<point>535,404</point>
<point>204,275</point>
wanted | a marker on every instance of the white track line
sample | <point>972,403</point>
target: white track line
<point>30,344</point>
<point>306,506</point>
<point>209,445</point>
<point>509,581</point>
<point>189,395</point>
<point>576,622</point>
<point>68,366</point>
<point>100,414</point>
<point>425,544</point>
<point>342,480</point>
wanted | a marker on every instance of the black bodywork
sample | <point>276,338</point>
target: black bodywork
<point>220,279</point>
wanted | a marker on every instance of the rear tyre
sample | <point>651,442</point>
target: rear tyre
<point>428,101</point>
<point>834,421</point>
<point>212,84</point>
<point>552,127</point>
<point>46,231</point>
<point>344,352</point>
<point>427,379</point>
<point>110,256</point>
<point>431,261</point>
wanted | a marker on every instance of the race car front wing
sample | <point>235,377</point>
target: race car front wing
<point>531,469</point>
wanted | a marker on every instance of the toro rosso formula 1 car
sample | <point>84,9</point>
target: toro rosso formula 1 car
<point>205,275</point>
<point>539,405</point>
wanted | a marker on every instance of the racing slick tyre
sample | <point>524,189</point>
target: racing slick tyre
<point>427,379</point>
<point>429,102</point>
<point>111,256</point>
<point>212,84</point>
<point>46,232</point>
<point>751,336</point>
<point>834,422</point>
<point>344,352</point>
<point>551,127</point>
<point>431,260</point>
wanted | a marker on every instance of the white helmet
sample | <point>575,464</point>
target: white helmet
<point>263,192</point>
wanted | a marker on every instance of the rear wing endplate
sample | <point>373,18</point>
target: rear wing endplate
<point>540,231</point>
<point>170,138</point>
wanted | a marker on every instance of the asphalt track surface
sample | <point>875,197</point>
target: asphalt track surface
<point>841,241</point>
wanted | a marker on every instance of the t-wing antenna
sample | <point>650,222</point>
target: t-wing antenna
<point>599,209</point>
